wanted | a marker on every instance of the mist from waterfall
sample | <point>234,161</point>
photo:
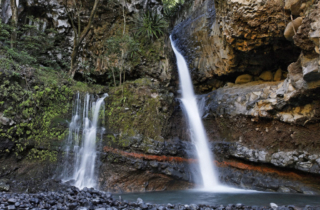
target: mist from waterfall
<point>197,132</point>
<point>81,145</point>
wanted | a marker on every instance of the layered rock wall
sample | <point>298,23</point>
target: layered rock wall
<point>231,37</point>
<point>264,106</point>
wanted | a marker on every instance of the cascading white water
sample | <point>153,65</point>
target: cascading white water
<point>198,134</point>
<point>85,150</point>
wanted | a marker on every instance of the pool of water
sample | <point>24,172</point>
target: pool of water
<point>215,198</point>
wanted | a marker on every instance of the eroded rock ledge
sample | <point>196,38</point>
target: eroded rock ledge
<point>301,160</point>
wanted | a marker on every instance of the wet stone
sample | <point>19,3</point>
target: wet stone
<point>161,208</point>
<point>194,207</point>
<point>170,206</point>
<point>11,207</point>
<point>143,206</point>
<point>139,201</point>
<point>239,205</point>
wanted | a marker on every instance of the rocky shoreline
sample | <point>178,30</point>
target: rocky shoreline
<point>73,198</point>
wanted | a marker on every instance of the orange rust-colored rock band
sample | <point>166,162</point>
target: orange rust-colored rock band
<point>159,158</point>
<point>239,165</point>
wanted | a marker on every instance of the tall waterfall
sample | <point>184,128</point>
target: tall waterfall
<point>198,134</point>
<point>81,142</point>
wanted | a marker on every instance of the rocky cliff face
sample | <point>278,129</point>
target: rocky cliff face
<point>266,107</point>
<point>262,115</point>
<point>234,38</point>
<point>111,19</point>
<point>259,72</point>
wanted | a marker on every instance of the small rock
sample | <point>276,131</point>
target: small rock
<point>143,206</point>
<point>289,31</point>
<point>239,205</point>
<point>308,192</point>
<point>229,84</point>
<point>11,207</point>
<point>266,76</point>
<point>5,121</point>
<point>194,207</point>
<point>73,206</point>
<point>95,201</point>
<point>170,206</point>
<point>139,201</point>
<point>310,70</point>
<point>292,207</point>
<point>161,208</point>
<point>242,79</point>
<point>294,6</point>
<point>284,189</point>
<point>277,75</point>
<point>274,206</point>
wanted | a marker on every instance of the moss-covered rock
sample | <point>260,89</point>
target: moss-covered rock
<point>35,105</point>
<point>137,113</point>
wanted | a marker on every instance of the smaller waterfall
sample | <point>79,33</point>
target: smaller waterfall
<point>82,145</point>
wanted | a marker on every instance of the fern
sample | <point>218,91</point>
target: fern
<point>150,25</point>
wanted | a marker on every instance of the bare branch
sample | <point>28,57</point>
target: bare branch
<point>87,28</point>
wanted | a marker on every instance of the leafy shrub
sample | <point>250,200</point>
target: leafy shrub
<point>150,25</point>
<point>119,49</point>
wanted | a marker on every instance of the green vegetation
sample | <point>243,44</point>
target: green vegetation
<point>38,101</point>
<point>126,50</point>
<point>32,108</point>
<point>171,8</point>
<point>138,113</point>
<point>150,25</point>
<point>119,49</point>
<point>36,93</point>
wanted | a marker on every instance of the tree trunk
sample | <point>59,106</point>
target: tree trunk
<point>114,78</point>
<point>120,77</point>
<point>124,21</point>
<point>14,22</point>
<point>73,61</point>
<point>78,35</point>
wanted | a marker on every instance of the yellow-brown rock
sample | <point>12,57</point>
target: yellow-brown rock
<point>277,75</point>
<point>266,76</point>
<point>245,78</point>
<point>293,5</point>
<point>292,27</point>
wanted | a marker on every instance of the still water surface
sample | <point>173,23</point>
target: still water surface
<point>210,198</point>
